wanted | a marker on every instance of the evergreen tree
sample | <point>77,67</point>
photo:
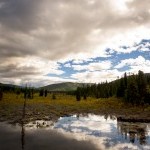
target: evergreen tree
<point>18,91</point>
<point>32,93</point>
<point>106,90</point>
<point>121,88</point>
<point>147,97</point>
<point>41,92</point>
<point>110,90</point>
<point>78,94</point>
<point>134,88</point>
<point>84,97</point>
<point>142,87</point>
<point>25,92</point>
<point>125,80</point>
<point>1,94</point>
<point>132,95</point>
<point>53,96</point>
<point>45,93</point>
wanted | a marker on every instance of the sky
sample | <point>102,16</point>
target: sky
<point>50,41</point>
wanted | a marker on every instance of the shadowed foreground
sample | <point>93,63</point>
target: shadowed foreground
<point>39,139</point>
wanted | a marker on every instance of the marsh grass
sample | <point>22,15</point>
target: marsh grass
<point>40,107</point>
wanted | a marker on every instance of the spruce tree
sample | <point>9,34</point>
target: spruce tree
<point>53,96</point>
<point>78,94</point>
<point>142,87</point>
<point>1,94</point>
<point>132,95</point>
<point>125,80</point>
<point>121,88</point>
<point>84,96</point>
<point>32,93</point>
<point>41,93</point>
<point>147,97</point>
<point>45,93</point>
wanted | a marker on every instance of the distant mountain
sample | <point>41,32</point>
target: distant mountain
<point>66,86</point>
<point>8,87</point>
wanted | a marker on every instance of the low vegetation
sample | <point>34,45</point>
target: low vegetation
<point>128,97</point>
<point>49,108</point>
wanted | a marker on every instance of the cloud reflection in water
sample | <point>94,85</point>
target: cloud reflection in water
<point>105,131</point>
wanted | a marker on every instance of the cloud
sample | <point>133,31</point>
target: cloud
<point>133,62</point>
<point>139,63</point>
<point>94,66</point>
<point>35,81</point>
<point>97,76</point>
<point>52,29</point>
<point>29,65</point>
<point>67,65</point>
<point>29,70</point>
<point>80,61</point>
<point>143,46</point>
<point>62,30</point>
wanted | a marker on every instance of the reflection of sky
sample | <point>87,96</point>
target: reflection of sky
<point>91,124</point>
<point>99,130</point>
<point>28,138</point>
<point>103,133</point>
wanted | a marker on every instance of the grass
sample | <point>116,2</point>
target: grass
<point>46,108</point>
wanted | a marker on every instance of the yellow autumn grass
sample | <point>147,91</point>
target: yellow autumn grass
<point>63,101</point>
<point>11,106</point>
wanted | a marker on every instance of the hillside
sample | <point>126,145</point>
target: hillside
<point>66,86</point>
<point>8,87</point>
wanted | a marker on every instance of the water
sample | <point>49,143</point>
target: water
<point>90,132</point>
<point>105,132</point>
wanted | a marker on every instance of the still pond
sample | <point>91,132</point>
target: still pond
<point>77,132</point>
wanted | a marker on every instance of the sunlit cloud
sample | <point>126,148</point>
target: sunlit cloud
<point>136,64</point>
<point>97,76</point>
<point>94,66</point>
<point>48,32</point>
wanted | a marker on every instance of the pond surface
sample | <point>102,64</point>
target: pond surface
<point>85,132</point>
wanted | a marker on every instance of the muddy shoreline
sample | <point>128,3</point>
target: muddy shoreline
<point>45,112</point>
<point>40,108</point>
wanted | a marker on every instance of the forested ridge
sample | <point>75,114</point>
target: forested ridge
<point>133,89</point>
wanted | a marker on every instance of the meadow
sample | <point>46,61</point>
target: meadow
<point>47,108</point>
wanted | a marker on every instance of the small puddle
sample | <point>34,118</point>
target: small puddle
<point>76,132</point>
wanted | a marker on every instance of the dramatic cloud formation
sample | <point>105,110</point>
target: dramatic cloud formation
<point>37,35</point>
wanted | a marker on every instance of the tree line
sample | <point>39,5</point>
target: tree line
<point>134,89</point>
<point>28,92</point>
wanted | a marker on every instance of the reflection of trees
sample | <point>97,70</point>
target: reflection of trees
<point>22,135</point>
<point>22,126</point>
<point>112,117</point>
<point>133,131</point>
<point>141,135</point>
<point>78,115</point>
<point>106,116</point>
